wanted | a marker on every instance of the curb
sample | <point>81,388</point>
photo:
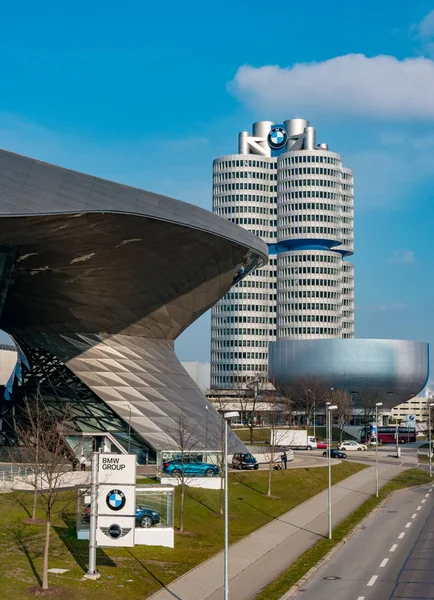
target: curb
<point>295,588</point>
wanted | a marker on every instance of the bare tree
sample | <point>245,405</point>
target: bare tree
<point>273,449</point>
<point>249,391</point>
<point>344,412</point>
<point>369,396</point>
<point>218,440</point>
<point>42,439</point>
<point>285,398</point>
<point>186,442</point>
<point>307,394</point>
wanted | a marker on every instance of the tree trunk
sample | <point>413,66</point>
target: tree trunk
<point>270,468</point>
<point>35,496</point>
<point>251,432</point>
<point>46,551</point>
<point>341,435</point>
<point>181,506</point>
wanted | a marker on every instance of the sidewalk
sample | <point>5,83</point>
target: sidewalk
<point>260,557</point>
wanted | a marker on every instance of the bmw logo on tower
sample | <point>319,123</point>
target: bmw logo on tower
<point>116,500</point>
<point>277,137</point>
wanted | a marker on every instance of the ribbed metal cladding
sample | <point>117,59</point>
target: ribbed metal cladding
<point>243,322</point>
<point>315,297</point>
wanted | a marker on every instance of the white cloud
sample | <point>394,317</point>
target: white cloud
<point>426,26</point>
<point>381,87</point>
<point>403,257</point>
<point>385,307</point>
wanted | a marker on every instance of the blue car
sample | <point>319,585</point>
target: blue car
<point>145,516</point>
<point>192,466</point>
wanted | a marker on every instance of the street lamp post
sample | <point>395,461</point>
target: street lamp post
<point>327,427</point>
<point>227,417</point>
<point>129,429</point>
<point>377,405</point>
<point>330,407</point>
<point>206,426</point>
<point>429,434</point>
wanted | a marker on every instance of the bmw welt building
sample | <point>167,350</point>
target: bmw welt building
<point>98,280</point>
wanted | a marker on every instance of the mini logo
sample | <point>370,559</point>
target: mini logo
<point>116,500</point>
<point>277,137</point>
<point>115,531</point>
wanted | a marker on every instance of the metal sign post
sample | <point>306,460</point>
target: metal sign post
<point>92,573</point>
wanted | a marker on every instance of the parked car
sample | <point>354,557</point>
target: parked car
<point>192,467</point>
<point>335,453</point>
<point>145,516</point>
<point>321,444</point>
<point>244,461</point>
<point>351,445</point>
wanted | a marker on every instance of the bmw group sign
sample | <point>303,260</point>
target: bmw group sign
<point>117,468</point>
<point>116,502</point>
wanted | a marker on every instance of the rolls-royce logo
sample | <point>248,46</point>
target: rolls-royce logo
<point>116,500</point>
<point>277,137</point>
<point>115,531</point>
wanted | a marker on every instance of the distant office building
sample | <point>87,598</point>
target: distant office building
<point>416,407</point>
<point>199,372</point>
<point>296,195</point>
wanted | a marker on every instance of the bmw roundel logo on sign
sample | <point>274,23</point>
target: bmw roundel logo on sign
<point>277,137</point>
<point>116,500</point>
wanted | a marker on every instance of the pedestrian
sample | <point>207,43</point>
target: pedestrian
<point>83,462</point>
<point>284,458</point>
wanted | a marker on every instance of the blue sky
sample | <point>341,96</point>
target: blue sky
<point>148,94</point>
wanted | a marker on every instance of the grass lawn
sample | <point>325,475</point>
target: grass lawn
<point>262,434</point>
<point>274,591</point>
<point>424,458</point>
<point>138,572</point>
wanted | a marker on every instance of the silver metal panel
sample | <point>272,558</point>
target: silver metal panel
<point>105,279</point>
<point>397,368</point>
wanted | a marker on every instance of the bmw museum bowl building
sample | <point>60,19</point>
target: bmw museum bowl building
<point>98,279</point>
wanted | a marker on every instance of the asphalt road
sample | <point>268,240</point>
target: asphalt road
<point>390,558</point>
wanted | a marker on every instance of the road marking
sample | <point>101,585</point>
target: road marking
<point>408,525</point>
<point>419,507</point>
<point>361,598</point>
<point>401,535</point>
<point>426,495</point>
<point>414,515</point>
<point>384,562</point>
<point>423,501</point>
<point>393,548</point>
<point>372,580</point>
